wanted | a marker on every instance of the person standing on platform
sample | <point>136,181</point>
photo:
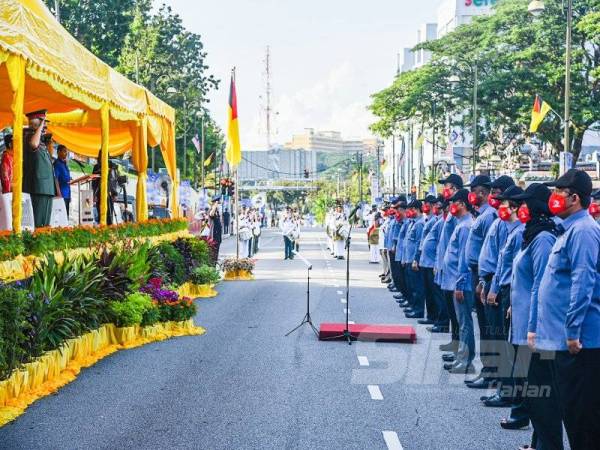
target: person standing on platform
<point>425,258</point>
<point>456,278</point>
<point>532,369</point>
<point>216,228</point>
<point>487,266</point>
<point>451,185</point>
<point>63,175</point>
<point>410,260</point>
<point>568,310</point>
<point>38,173</point>
<point>6,165</point>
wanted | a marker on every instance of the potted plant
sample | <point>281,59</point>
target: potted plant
<point>238,269</point>
<point>201,283</point>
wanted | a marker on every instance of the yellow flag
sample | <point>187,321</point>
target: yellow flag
<point>233,151</point>
<point>208,160</point>
<point>538,113</point>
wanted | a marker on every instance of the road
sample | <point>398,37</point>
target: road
<point>243,385</point>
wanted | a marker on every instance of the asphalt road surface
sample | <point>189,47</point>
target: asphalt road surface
<point>243,385</point>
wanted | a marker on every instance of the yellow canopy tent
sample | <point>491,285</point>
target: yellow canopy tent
<point>92,106</point>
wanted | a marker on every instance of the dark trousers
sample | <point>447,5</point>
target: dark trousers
<point>521,358</point>
<point>395,271</point>
<point>454,328</point>
<point>415,289</point>
<point>226,228</point>
<point>289,247</point>
<point>442,320</point>
<point>579,396</point>
<point>255,243</point>
<point>541,399</point>
<point>67,206</point>
<point>403,280</point>
<point>42,209</point>
<point>483,311</point>
<point>428,288</point>
<point>498,347</point>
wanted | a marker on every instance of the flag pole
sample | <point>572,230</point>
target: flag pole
<point>237,200</point>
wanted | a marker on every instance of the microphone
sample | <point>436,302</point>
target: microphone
<point>354,211</point>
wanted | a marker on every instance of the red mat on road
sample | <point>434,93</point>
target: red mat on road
<point>365,332</point>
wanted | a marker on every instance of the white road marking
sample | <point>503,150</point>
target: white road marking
<point>392,441</point>
<point>363,360</point>
<point>375,392</point>
<point>343,300</point>
<point>347,310</point>
<point>351,322</point>
<point>340,292</point>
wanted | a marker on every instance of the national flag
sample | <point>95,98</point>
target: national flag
<point>233,151</point>
<point>539,111</point>
<point>197,144</point>
<point>384,165</point>
<point>209,160</point>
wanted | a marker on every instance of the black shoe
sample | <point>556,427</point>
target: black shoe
<point>414,315</point>
<point>386,280</point>
<point>481,383</point>
<point>437,329</point>
<point>425,322</point>
<point>462,369</point>
<point>449,347</point>
<point>398,296</point>
<point>496,401</point>
<point>514,424</point>
<point>448,357</point>
<point>393,289</point>
<point>450,365</point>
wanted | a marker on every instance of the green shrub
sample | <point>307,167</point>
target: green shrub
<point>178,311</point>
<point>151,316</point>
<point>131,311</point>
<point>205,275</point>
<point>167,263</point>
<point>13,329</point>
<point>124,270</point>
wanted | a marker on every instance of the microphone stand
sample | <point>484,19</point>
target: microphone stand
<point>307,317</point>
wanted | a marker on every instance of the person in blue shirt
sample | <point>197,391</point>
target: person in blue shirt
<point>486,268</point>
<point>399,204</point>
<point>63,175</point>
<point>568,309</point>
<point>498,297</point>
<point>457,279</point>
<point>400,242</point>
<point>451,184</point>
<point>532,372</point>
<point>429,219</point>
<point>410,254</point>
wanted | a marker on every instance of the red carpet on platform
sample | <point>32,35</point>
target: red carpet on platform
<point>364,332</point>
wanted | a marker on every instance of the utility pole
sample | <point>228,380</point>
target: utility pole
<point>57,10</point>
<point>378,166</point>
<point>268,95</point>
<point>433,174</point>
<point>568,78</point>
<point>359,156</point>
<point>394,165</point>
<point>475,151</point>
<point>202,153</point>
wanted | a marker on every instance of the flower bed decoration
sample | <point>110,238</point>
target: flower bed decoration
<point>238,269</point>
<point>201,284</point>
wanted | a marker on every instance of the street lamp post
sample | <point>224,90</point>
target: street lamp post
<point>535,8</point>
<point>393,165</point>
<point>455,79</point>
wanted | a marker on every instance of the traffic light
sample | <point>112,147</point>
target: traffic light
<point>306,174</point>
<point>231,188</point>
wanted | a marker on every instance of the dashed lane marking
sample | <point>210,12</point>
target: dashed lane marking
<point>343,300</point>
<point>340,292</point>
<point>346,310</point>
<point>363,360</point>
<point>375,392</point>
<point>351,322</point>
<point>392,441</point>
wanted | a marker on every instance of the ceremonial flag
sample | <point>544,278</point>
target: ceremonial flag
<point>384,165</point>
<point>539,111</point>
<point>209,160</point>
<point>197,143</point>
<point>233,152</point>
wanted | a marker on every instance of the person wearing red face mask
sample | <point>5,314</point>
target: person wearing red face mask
<point>456,278</point>
<point>451,185</point>
<point>396,238</point>
<point>594,208</point>
<point>528,269</point>
<point>414,277</point>
<point>486,266</point>
<point>568,321</point>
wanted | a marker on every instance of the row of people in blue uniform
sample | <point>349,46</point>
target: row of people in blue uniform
<point>528,263</point>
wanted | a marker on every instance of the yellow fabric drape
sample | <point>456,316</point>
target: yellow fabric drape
<point>104,114</point>
<point>167,148</point>
<point>140,162</point>
<point>15,66</point>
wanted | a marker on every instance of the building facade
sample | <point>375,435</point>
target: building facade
<point>277,164</point>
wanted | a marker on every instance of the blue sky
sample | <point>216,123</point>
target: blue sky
<point>328,56</point>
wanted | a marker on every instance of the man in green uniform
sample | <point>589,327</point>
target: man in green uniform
<point>38,173</point>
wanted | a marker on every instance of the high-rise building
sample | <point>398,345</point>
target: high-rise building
<point>328,142</point>
<point>277,164</point>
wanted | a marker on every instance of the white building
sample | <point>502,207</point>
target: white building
<point>328,142</point>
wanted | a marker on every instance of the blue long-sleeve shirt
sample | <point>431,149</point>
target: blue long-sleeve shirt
<point>507,254</point>
<point>401,237</point>
<point>479,230</point>
<point>63,176</point>
<point>527,271</point>
<point>412,241</point>
<point>494,240</point>
<point>569,294</point>
<point>453,276</point>
<point>449,223</point>
<point>389,233</point>
<point>429,241</point>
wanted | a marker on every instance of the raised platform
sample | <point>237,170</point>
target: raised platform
<point>365,332</point>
